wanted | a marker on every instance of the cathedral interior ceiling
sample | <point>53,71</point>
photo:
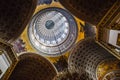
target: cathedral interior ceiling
<point>61,40</point>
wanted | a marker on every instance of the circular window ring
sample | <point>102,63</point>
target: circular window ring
<point>59,48</point>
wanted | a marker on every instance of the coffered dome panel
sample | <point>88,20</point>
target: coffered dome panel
<point>85,57</point>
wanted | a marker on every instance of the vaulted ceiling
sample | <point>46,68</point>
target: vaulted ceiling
<point>60,53</point>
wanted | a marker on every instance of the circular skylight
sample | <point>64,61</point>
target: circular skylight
<point>52,31</point>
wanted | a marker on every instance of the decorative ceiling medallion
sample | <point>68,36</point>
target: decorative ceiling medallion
<point>52,31</point>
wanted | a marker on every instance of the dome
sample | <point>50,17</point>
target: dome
<point>32,66</point>
<point>85,57</point>
<point>52,31</point>
<point>91,11</point>
<point>14,16</point>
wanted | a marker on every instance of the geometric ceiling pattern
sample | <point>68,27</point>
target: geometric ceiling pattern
<point>60,40</point>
